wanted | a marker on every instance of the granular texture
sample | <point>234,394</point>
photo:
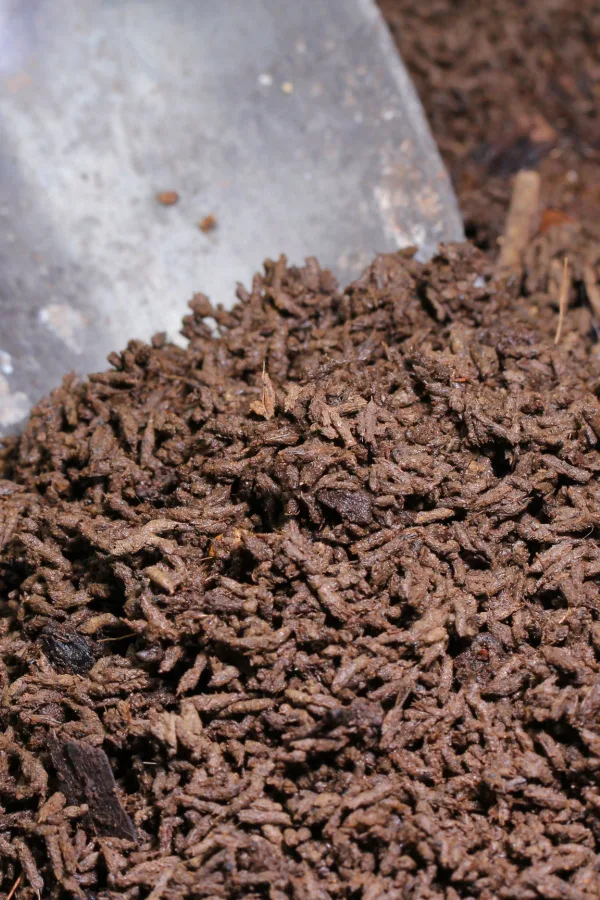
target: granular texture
<point>309,609</point>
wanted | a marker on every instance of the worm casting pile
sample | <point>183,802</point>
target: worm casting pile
<point>309,609</point>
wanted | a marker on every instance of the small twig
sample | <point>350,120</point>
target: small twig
<point>120,638</point>
<point>14,888</point>
<point>521,222</point>
<point>562,300</point>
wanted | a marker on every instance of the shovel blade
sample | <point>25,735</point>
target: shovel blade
<point>294,124</point>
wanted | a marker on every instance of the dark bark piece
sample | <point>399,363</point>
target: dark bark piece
<point>85,776</point>
<point>67,650</point>
<point>352,506</point>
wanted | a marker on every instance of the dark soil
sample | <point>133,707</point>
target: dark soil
<point>311,608</point>
<point>509,85</point>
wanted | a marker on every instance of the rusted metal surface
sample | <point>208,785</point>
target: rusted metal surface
<point>294,124</point>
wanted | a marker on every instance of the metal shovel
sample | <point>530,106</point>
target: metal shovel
<point>292,122</point>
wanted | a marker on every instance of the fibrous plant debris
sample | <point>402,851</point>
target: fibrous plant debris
<point>309,609</point>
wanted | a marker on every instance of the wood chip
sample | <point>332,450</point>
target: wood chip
<point>85,776</point>
<point>521,223</point>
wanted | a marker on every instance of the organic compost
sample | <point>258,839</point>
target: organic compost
<point>310,608</point>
